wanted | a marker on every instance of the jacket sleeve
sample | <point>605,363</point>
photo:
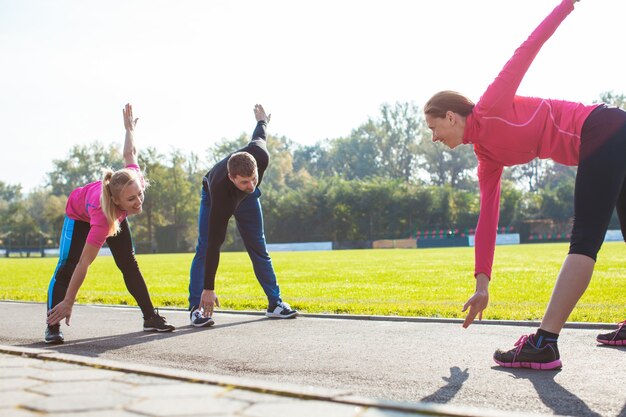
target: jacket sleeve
<point>504,87</point>
<point>260,130</point>
<point>489,175</point>
<point>218,225</point>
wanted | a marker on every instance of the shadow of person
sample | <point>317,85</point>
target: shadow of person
<point>603,346</point>
<point>236,323</point>
<point>552,394</point>
<point>95,346</point>
<point>447,392</point>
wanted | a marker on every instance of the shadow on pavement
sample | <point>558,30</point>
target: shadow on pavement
<point>224,326</point>
<point>454,384</point>
<point>101,344</point>
<point>600,345</point>
<point>553,395</point>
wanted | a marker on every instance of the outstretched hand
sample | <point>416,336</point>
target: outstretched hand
<point>61,311</point>
<point>259,114</point>
<point>477,302</point>
<point>129,122</point>
<point>208,301</point>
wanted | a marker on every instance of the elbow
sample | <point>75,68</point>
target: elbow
<point>130,153</point>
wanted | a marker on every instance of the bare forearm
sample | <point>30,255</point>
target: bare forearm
<point>130,151</point>
<point>482,282</point>
<point>63,310</point>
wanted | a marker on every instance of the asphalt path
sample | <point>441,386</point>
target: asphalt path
<point>412,361</point>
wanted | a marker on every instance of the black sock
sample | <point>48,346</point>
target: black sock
<point>542,338</point>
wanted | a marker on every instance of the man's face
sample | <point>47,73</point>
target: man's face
<point>245,184</point>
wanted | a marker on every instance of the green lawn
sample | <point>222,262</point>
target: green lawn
<point>407,282</point>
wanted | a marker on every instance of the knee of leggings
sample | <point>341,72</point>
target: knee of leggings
<point>129,264</point>
<point>582,249</point>
<point>202,243</point>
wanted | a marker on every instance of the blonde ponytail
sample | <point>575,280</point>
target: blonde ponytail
<point>113,183</point>
<point>107,205</point>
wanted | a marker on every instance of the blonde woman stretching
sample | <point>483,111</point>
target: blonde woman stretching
<point>96,213</point>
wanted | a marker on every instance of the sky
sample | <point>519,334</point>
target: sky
<point>193,69</point>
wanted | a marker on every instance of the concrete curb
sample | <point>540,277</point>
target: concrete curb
<point>263,387</point>
<point>524,323</point>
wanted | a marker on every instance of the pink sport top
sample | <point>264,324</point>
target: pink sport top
<point>83,204</point>
<point>506,130</point>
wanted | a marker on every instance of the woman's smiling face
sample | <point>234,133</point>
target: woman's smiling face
<point>131,198</point>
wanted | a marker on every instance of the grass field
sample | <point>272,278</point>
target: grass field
<point>407,282</point>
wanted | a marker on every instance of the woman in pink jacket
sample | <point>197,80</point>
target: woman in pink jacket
<point>505,130</point>
<point>96,213</point>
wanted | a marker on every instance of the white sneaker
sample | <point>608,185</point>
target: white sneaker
<point>198,320</point>
<point>282,310</point>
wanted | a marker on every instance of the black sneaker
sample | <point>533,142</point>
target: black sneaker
<point>197,319</point>
<point>526,355</point>
<point>156,323</point>
<point>282,310</point>
<point>54,335</point>
<point>616,337</point>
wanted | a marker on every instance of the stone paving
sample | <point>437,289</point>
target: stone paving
<point>38,382</point>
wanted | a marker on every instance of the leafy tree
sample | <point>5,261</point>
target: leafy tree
<point>399,128</point>
<point>614,99</point>
<point>152,165</point>
<point>355,157</point>
<point>313,159</point>
<point>10,193</point>
<point>47,211</point>
<point>280,169</point>
<point>442,166</point>
<point>384,147</point>
<point>10,199</point>
<point>174,193</point>
<point>530,176</point>
<point>510,200</point>
<point>19,227</point>
<point>557,174</point>
<point>223,147</point>
<point>83,165</point>
<point>557,203</point>
<point>358,210</point>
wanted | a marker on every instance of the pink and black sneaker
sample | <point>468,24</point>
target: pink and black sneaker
<point>616,337</point>
<point>526,355</point>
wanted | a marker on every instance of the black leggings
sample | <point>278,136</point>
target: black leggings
<point>73,240</point>
<point>600,185</point>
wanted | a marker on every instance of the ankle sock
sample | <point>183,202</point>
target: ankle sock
<point>542,338</point>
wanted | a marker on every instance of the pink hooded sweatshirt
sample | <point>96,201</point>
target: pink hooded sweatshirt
<point>507,130</point>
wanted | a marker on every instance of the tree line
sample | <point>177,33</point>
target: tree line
<point>386,180</point>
